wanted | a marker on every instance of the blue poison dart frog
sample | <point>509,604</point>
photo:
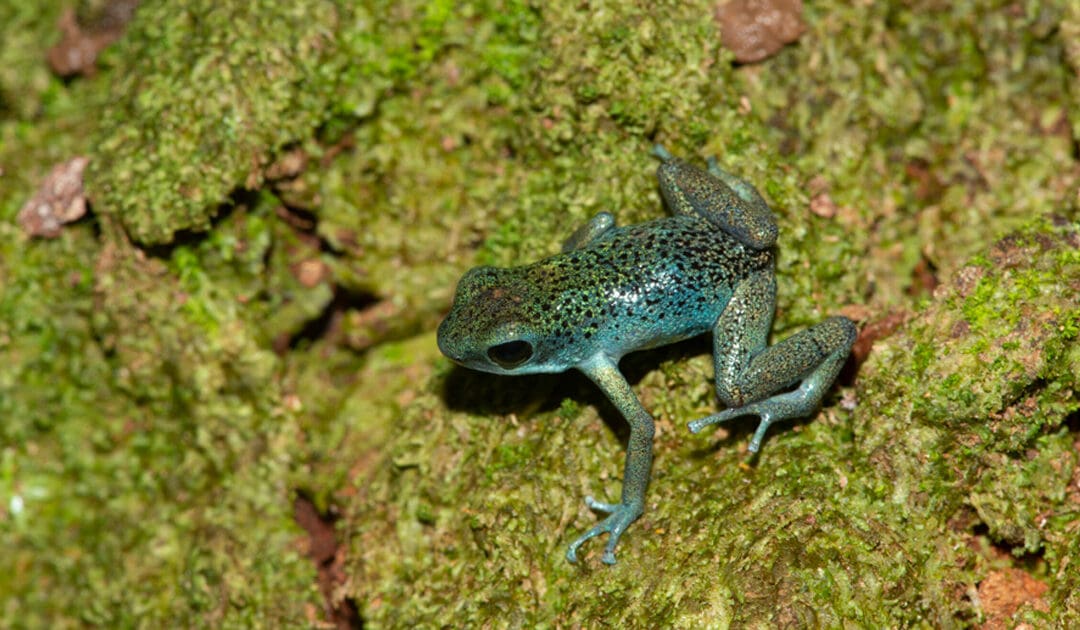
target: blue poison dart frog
<point>613,290</point>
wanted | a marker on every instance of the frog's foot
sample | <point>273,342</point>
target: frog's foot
<point>794,404</point>
<point>620,515</point>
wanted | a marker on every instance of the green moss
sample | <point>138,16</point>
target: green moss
<point>899,484</point>
<point>102,383</point>
<point>994,416</point>
<point>940,148</point>
<point>139,388</point>
<point>144,433</point>
<point>204,96</point>
<point>27,31</point>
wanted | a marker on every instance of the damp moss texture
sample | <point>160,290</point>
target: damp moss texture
<point>284,194</point>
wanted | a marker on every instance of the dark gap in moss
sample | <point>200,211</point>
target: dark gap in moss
<point>329,320</point>
<point>880,327</point>
<point>924,278</point>
<point>89,219</point>
<point>848,372</point>
<point>964,521</point>
<point>164,251</point>
<point>327,553</point>
<point>1022,402</point>
<point>302,220</point>
<point>1072,422</point>
<point>305,223</point>
<point>240,199</point>
<point>337,134</point>
<point>1029,561</point>
<point>69,80</point>
<point>92,220</point>
<point>1032,562</point>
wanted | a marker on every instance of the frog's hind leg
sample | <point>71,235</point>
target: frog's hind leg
<point>585,235</point>
<point>749,373</point>
<point>744,189</point>
<point>725,201</point>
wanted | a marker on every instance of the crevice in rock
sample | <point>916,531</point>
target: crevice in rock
<point>328,554</point>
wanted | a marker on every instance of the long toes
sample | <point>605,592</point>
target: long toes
<point>717,418</point>
<point>759,433</point>
<point>600,506</point>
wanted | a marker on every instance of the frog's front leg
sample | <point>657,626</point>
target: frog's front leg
<point>597,226</point>
<point>605,373</point>
<point>722,199</point>
<point>749,373</point>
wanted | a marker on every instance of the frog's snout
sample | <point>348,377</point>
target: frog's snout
<point>445,341</point>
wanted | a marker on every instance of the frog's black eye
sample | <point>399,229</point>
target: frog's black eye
<point>511,354</point>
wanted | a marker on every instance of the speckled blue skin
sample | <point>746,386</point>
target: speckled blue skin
<point>614,290</point>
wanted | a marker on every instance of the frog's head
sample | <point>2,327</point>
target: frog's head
<point>494,324</point>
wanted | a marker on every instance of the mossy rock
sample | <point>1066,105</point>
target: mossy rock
<point>284,194</point>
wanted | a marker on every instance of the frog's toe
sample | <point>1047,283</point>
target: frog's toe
<point>659,151</point>
<point>619,518</point>
<point>596,530</point>
<point>697,425</point>
<point>600,506</point>
<point>754,409</point>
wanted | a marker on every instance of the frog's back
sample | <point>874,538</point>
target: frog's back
<point>645,285</point>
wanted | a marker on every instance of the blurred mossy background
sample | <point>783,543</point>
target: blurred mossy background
<point>283,196</point>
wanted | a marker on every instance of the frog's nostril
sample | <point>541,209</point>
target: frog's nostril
<point>511,354</point>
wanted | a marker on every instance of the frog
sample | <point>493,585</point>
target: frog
<point>707,267</point>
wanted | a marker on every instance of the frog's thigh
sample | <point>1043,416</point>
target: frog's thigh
<point>741,332</point>
<point>813,356</point>
<point>747,370</point>
<point>744,189</point>
<point>692,191</point>
<point>586,234</point>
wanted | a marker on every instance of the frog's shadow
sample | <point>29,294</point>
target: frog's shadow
<point>482,393</point>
